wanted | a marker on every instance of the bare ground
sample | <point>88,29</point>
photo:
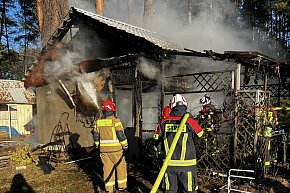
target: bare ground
<point>84,177</point>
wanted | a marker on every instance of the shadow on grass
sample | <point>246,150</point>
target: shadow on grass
<point>134,186</point>
<point>276,184</point>
<point>19,185</point>
<point>87,160</point>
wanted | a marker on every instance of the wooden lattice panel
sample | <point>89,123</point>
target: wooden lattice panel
<point>213,152</point>
<point>249,103</point>
<point>199,82</point>
<point>275,89</point>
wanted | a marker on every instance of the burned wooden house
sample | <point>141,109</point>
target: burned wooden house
<point>91,58</point>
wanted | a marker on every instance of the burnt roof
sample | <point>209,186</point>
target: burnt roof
<point>252,59</point>
<point>152,41</point>
<point>157,45</point>
<point>153,37</point>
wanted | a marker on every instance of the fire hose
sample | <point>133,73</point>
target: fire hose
<point>169,155</point>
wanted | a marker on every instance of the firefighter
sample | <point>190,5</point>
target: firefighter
<point>207,117</point>
<point>206,104</point>
<point>207,113</point>
<point>110,138</point>
<point>158,154</point>
<point>268,122</point>
<point>166,112</point>
<point>181,171</point>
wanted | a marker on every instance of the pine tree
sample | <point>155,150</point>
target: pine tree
<point>7,31</point>
<point>28,35</point>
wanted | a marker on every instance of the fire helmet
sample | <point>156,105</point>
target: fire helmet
<point>166,112</point>
<point>108,105</point>
<point>205,100</point>
<point>178,100</point>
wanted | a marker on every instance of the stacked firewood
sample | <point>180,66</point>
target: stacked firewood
<point>4,161</point>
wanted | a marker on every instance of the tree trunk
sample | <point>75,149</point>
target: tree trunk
<point>39,14</point>
<point>2,22</point>
<point>6,30</point>
<point>50,17</point>
<point>148,12</point>
<point>100,7</point>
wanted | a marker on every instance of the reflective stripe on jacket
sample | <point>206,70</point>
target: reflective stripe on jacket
<point>110,135</point>
<point>184,155</point>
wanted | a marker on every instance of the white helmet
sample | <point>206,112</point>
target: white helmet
<point>178,100</point>
<point>205,100</point>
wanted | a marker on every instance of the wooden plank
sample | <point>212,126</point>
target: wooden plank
<point>4,161</point>
<point>3,134</point>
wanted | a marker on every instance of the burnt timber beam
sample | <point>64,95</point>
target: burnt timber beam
<point>113,62</point>
<point>236,126</point>
<point>199,73</point>
<point>188,52</point>
<point>137,105</point>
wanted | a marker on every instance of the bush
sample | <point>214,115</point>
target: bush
<point>21,156</point>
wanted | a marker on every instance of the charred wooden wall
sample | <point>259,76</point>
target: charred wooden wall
<point>54,110</point>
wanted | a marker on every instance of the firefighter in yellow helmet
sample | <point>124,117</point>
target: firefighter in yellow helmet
<point>109,136</point>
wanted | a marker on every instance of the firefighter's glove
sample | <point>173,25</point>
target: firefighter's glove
<point>156,151</point>
<point>125,149</point>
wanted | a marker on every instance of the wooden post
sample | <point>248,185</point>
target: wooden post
<point>265,82</point>
<point>285,142</point>
<point>162,94</point>
<point>237,88</point>
<point>137,105</point>
<point>279,92</point>
<point>255,154</point>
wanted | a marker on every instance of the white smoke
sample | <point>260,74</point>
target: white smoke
<point>148,68</point>
<point>85,81</point>
<point>33,138</point>
<point>88,5</point>
<point>64,66</point>
<point>206,30</point>
<point>124,106</point>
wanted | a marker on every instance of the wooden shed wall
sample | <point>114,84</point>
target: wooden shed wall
<point>53,110</point>
<point>18,117</point>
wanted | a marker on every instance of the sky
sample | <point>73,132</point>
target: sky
<point>15,13</point>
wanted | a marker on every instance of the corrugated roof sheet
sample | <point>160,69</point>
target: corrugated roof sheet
<point>153,37</point>
<point>17,95</point>
<point>13,91</point>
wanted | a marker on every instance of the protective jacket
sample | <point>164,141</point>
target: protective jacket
<point>109,135</point>
<point>268,121</point>
<point>184,155</point>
